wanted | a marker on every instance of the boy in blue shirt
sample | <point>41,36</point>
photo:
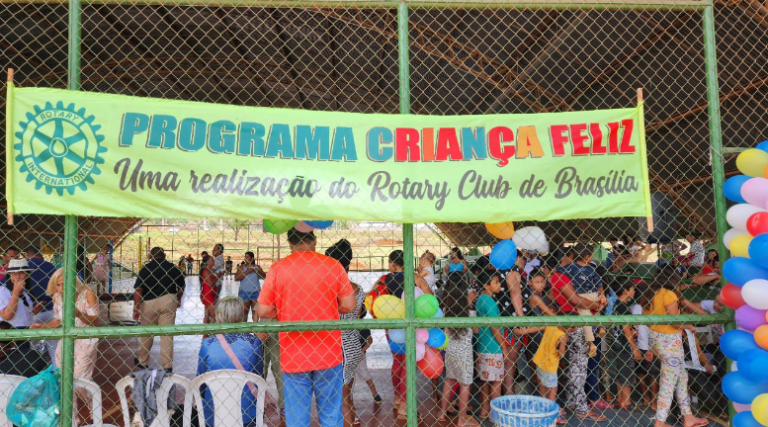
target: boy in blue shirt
<point>490,342</point>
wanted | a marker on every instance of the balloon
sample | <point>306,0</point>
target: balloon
<point>731,296</point>
<point>388,307</point>
<point>739,271</point>
<point>732,188</point>
<point>749,318</point>
<point>426,306</point>
<point>397,335</point>
<point>734,343</point>
<point>753,365</point>
<point>439,314</point>
<point>417,292</point>
<point>731,234</point>
<point>758,250</point>
<point>734,366</point>
<point>755,293</point>
<point>501,230</point>
<point>755,191</point>
<point>436,338</point>
<point>738,388</point>
<point>740,407</point>
<point>737,215</point>
<point>445,344</point>
<point>762,146</point>
<point>744,418</point>
<point>740,245</point>
<point>431,366</point>
<point>757,223</point>
<point>279,226</point>
<point>397,348</point>
<point>421,350</point>
<point>320,225</point>
<point>760,409</point>
<point>504,254</point>
<point>422,336</point>
<point>752,162</point>
<point>761,337</point>
<point>303,227</point>
<point>531,238</point>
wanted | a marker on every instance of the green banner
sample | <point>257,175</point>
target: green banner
<point>94,154</point>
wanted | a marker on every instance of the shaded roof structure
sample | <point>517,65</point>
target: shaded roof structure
<point>463,61</point>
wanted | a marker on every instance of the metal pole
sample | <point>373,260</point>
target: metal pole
<point>70,239</point>
<point>410,330</point>
<point>716,150</point>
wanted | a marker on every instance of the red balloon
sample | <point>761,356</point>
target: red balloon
<point>758,223</point>
<point>731,296</point>
<point>432,363</point>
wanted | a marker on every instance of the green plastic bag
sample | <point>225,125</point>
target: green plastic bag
<point>35,402</point>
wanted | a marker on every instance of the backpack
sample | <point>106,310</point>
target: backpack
<point>35,402</point>
<point>379,289</point>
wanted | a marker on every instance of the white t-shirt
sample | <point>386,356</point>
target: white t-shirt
<point>709,307</point>
<point>431,279</point>
<point>23,315</point>
<point>643,332</point>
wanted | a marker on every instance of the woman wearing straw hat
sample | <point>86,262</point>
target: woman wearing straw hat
<point>15,304</point>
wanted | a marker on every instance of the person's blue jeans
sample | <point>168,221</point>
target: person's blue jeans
<point>593,374</point>
<point>326,385</point>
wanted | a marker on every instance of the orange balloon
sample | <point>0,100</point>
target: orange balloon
<point>761,336</point>
<point>501,230</point>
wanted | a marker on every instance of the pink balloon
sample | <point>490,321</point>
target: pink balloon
<point>755,191</point>
<point>421,349</point>
<point>422,336</point>
<point>303,227</point>
<point>749,318</point>
<point>740,407</point>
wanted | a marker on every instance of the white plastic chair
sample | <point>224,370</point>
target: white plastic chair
<point>163,418</point>
<point>226,387</point>
<point>96,409</point>
<point>8,384</point>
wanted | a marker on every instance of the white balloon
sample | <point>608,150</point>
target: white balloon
<point>738,215</point>
<point>531,238</point>
<point>730,234</point>
<point>734,366</point>
<point>755,293</point>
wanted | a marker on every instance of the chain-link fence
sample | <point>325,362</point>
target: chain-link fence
<point>473,58</point>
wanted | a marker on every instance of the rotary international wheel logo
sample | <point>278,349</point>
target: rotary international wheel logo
<point>59,148</point>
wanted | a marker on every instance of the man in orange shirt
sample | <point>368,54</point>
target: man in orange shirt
<point>308,286</point>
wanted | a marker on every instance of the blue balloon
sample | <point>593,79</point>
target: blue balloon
<point>740,270</point>
<point>734,343</point>
<point>753,364</point>
<point>397,336</point>
<point>758,250</point>
<point>439,313</point>
<point>322,225</point>
<point>436,338</point>
<point>397,348</point>
<point>504,255</point>
<point>732,188</point>
<point>738,388</point>
<point>745,419</point>
<point>763,146</point>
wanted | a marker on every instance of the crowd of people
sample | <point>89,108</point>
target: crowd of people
<point>482,361</point>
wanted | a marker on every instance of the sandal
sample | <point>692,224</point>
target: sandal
<point>702,423</point>
<point>592,416</point>
<point>561,420</point>
<point>601,404</point>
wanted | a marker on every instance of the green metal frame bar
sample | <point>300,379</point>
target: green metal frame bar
<point>717,152</point>
<point>690,5</point>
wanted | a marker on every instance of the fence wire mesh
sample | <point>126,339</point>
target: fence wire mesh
<point>463,60</point>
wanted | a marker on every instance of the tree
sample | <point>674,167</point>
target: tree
<point>237,225</point>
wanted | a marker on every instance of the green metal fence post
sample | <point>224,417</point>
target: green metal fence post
<point>716,149</point>
<point>70,240</point>
<point>410,330</point>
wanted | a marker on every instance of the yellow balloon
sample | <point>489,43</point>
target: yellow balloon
<point>752,162</point>
<point>760,409</point>
<point>740,245</point>
<point>501,230</point>
<point>389,307</point>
